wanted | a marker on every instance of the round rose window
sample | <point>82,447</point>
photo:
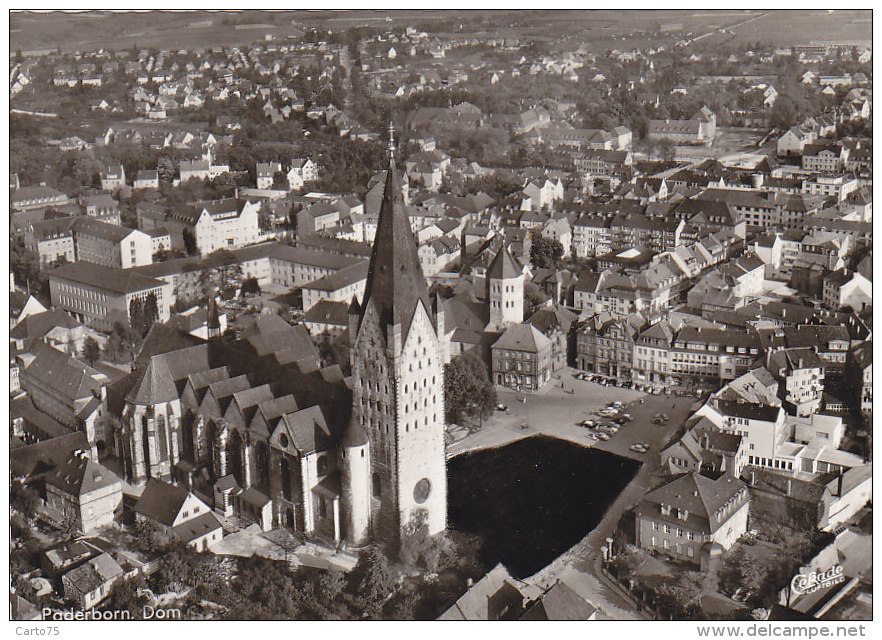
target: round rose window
<point>421,490</point>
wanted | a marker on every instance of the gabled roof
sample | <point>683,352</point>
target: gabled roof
<point>66,376</point>
<point>560,602</point>
<point>42,456</point>
<point>161,501</point>
<point>38,325</point>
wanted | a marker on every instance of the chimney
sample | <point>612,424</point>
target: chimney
<point>789,485</point>
<point>839,484</point>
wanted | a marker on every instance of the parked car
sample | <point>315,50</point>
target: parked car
<point>603,436</point>
<point>501,407</point>
<point>637,448</point>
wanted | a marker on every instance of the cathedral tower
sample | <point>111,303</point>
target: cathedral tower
<point>505,291</point>
<point>397,379</point>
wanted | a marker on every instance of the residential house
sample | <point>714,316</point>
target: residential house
<point>229,223</point>
<point>90,583</point>
<point>179,514</point>
<point>147,179</point>
<point>496,596</point>
<point>85,492</point>
<point>693,518</point>
<point>266,173</point>
<point>113,178</point>
<point>844,288</point>
<point>302,171</point>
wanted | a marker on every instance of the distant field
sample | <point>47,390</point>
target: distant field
<point>165,29</point>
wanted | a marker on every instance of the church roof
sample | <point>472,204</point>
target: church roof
<point>354,436</point>
<point>504,265</point>
<point>155,384</point>
<point>395,281</point>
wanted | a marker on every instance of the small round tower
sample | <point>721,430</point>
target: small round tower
<point>355,466</point>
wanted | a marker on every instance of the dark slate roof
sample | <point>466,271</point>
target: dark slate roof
<point>328,312</point>
<point>106,278</point>
<point>154,384</point>
<point>23,408</point>
<point>395,282</point>
<point>560,602</point>
<point>197,527</point>
<point>503,266</point>
<point>38,325</point>
<point>40,457</point>
<point>354,435</point>
<point>748,410</point>
<point>161,501</point>
<point>79,476</point>
<point>702,497</point>
<point>66,376</point>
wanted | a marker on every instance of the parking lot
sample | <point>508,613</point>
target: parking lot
<point>559,408</point>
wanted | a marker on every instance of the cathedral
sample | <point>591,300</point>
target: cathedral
<point>260,422</point>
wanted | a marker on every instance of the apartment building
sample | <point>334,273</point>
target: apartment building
<point>229,223</point>
<point>51,240</point>
<point>111,245</point>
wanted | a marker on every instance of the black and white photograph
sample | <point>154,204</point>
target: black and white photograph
<point>441,315</point>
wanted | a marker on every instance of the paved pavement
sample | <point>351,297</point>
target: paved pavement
<point>555,412</point>
<point>552,411</point>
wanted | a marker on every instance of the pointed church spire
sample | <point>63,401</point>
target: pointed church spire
<point>395,283</point>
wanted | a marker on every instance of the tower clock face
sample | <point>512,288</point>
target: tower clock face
<point>421,490</point>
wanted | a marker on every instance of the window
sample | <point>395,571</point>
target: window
<point>376,485</point>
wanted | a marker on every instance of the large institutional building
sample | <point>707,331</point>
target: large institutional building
<point>261,419</point>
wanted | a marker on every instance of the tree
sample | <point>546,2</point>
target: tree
<point>90,351</point>
<point>190,242</point>
<point>23,498</point>
<point>136,315</point>
<point>250,286</point>
<point>122,344</point>
<point>372,581</point>
<point>151,311</point>
<point>467,387</point>
<point>419,549</point>
<point>545,252</point>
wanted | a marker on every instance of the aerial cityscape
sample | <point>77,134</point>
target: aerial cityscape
<point>441,315</point>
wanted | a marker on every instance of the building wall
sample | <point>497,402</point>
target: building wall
<point>90,511</point>
<point>398,397</point>
<point>93,304</point>
<point>134,251</point>
<point>50,250</point>
<point>227,233</point>
<point>506,301</point>
<point>522,370</point>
